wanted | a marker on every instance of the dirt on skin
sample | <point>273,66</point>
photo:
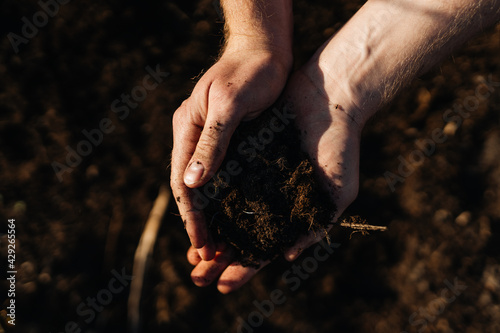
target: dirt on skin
<point>266,193</point>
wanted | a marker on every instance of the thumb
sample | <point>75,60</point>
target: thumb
<point>211,148</point>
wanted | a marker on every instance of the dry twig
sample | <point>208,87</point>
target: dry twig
<point>143,251</point>
<point>359,225</point>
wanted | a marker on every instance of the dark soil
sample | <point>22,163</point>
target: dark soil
<point>443,220</point>
<point>273,198</point>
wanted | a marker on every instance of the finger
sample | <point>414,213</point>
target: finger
<point>190,202</point>
<point>193,256</point>
<point>305,241</point>
<point>206,272</point>
<point>235,276</point>
<point>212,145</point>
<point>207,252</point>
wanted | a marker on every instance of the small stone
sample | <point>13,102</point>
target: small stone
<point>463,219</point>
<point>92,171</point>
<point>328,32</point>
<point>19,208</point>
<point>450,128</point>
<point>441,215</point>
<point>411,132</point>
<point>44,278</point>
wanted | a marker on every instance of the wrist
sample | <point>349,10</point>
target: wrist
<point>255,25</point>
<point>385,46</point>
<point>335,85</point>
<point>278,57</point>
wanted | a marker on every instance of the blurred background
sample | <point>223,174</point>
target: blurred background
<point>436,269</point>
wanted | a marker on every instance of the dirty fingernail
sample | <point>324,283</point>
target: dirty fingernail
<point>193,173</point>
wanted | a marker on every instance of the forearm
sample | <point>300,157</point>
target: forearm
<point>265,25</point>
<point>387,44</point>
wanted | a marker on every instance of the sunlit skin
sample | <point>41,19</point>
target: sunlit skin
<point>384,46</point>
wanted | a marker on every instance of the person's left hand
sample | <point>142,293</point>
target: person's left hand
<point>238,87</point>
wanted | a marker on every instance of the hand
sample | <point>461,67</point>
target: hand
<point>332,142</point>
<point>236,88</point>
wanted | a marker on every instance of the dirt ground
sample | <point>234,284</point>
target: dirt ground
<point>436,269</point>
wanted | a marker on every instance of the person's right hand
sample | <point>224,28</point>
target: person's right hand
<point>242,84</point>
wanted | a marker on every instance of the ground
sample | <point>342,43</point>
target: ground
<point>436,269</point>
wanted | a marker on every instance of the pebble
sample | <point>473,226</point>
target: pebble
<point>463,219</point>
<point>450,128</point>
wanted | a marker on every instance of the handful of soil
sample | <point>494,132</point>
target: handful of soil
<point>266,195</point>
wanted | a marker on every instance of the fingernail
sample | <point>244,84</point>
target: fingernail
<point>193,173</point>
<point>293,256</point>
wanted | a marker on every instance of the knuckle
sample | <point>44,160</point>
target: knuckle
<point>173,185</point>
<point>176,117</point>
<point>209,152</point>
<point>175,181</point>
<point>210,141</point>
<point>179,114</point>
<point>227,98</point>
<point>178,192</point>
<point>210,138</point>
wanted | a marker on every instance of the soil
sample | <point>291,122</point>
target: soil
<point>273,198</point>
<point>443,219</point>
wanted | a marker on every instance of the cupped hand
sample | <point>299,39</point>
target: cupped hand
<point>330,135</point>
<point>238,87</point>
